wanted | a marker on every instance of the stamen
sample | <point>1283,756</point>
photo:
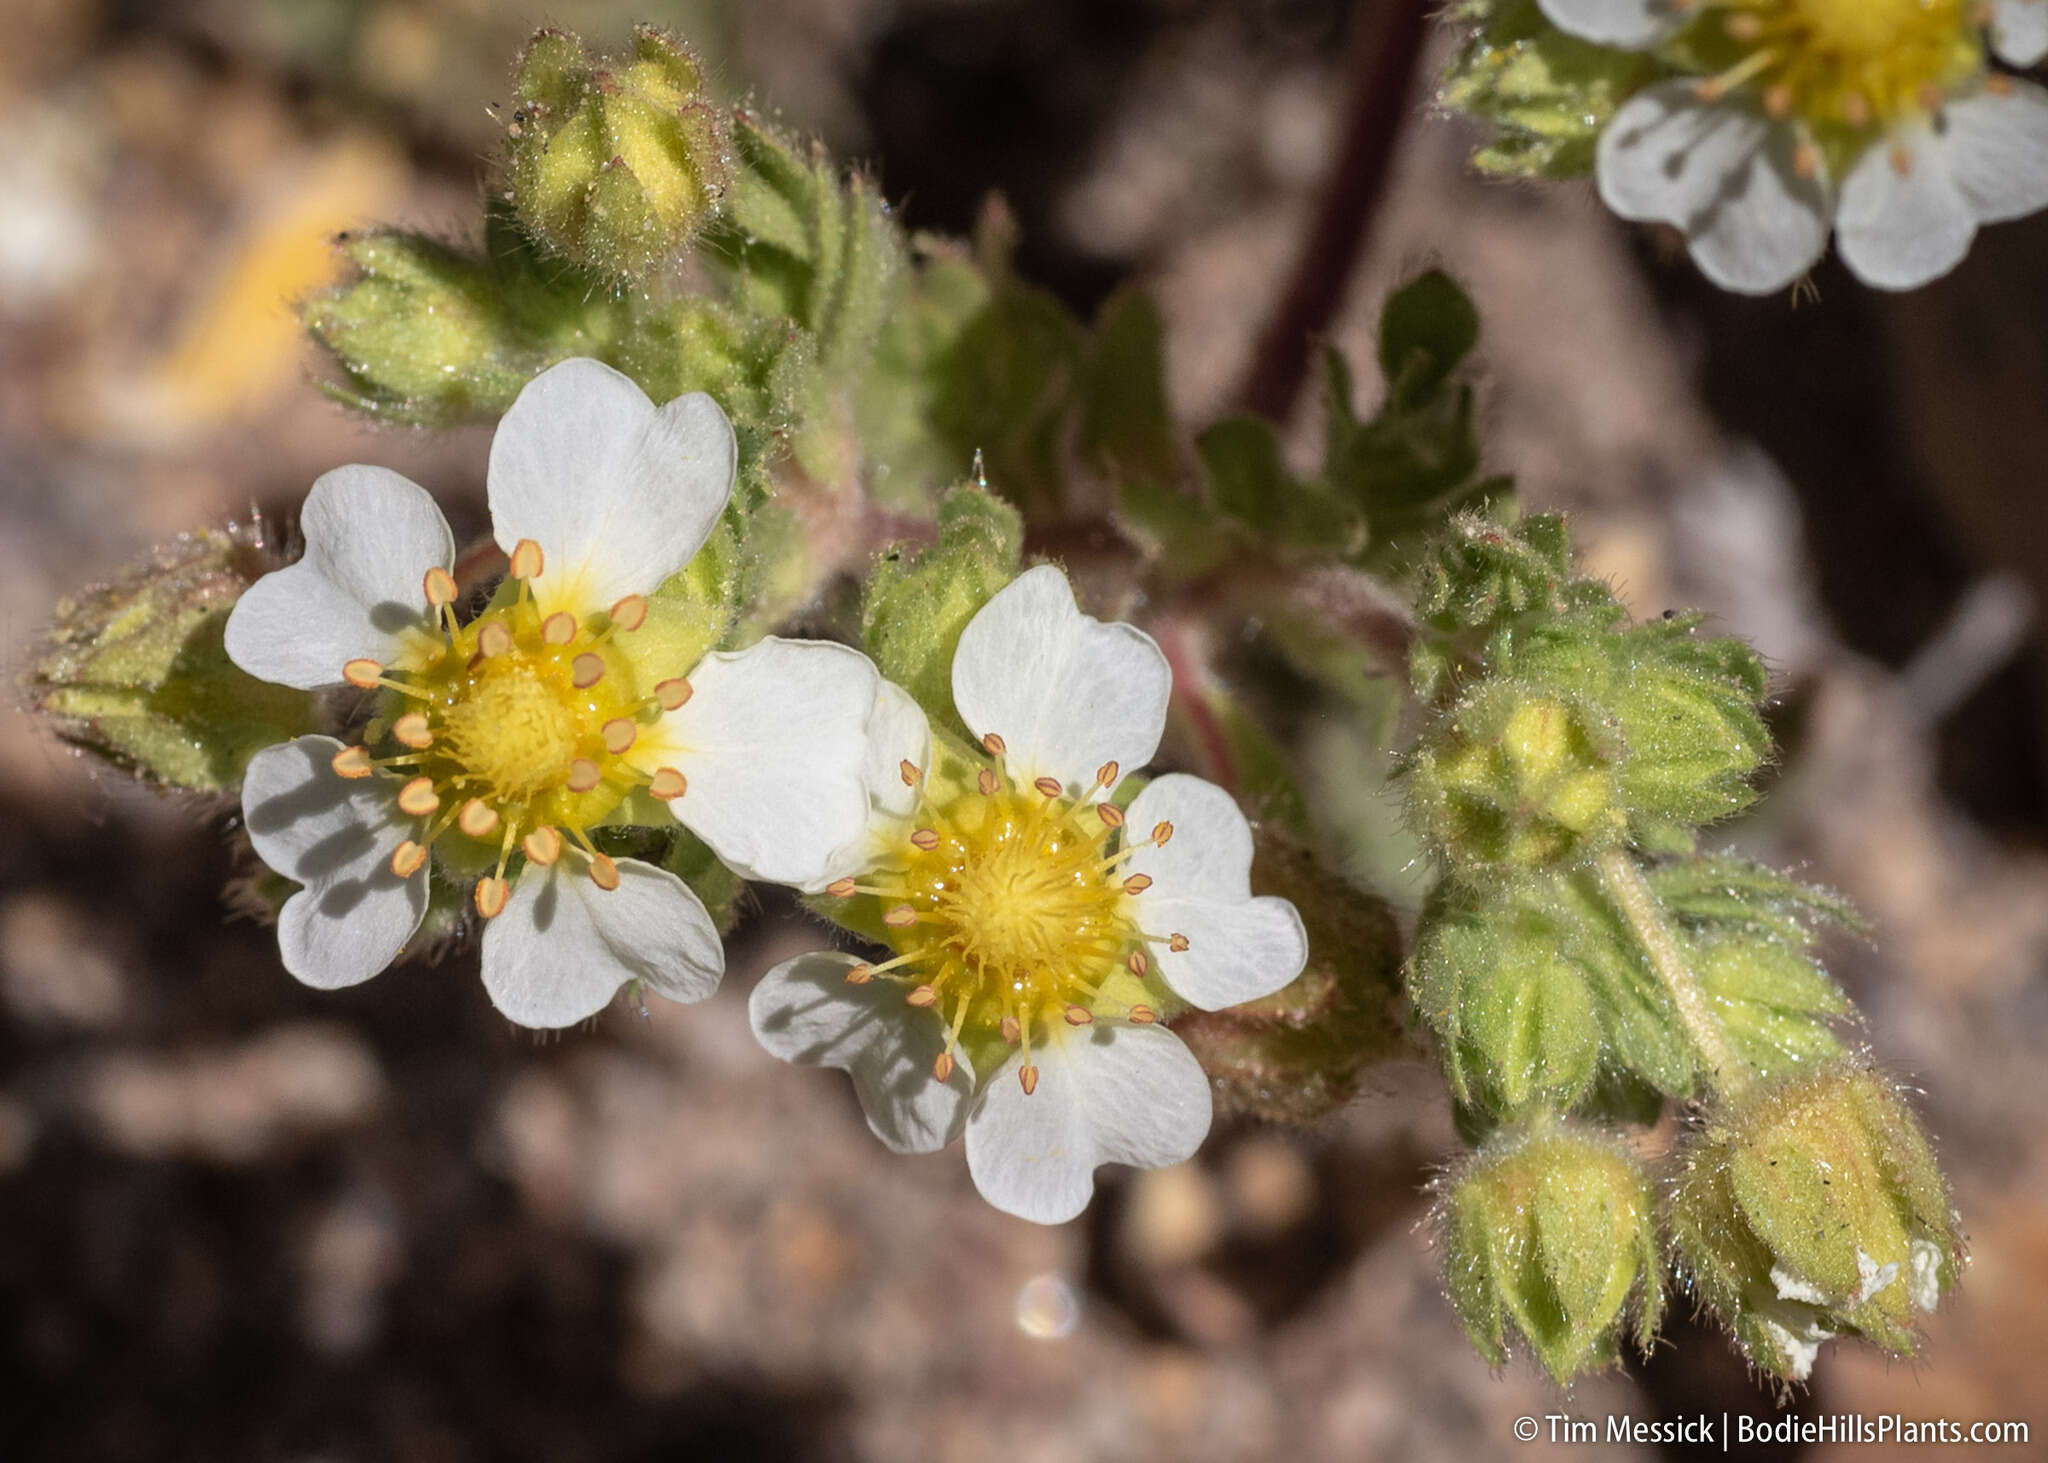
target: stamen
<point>630,613</point>
<point>923,996</point>
<point>491,894</point>
<point>986,783</point>
<point>1177,944</point>
<point>1050,786</point>
<point>494,639</point>
<point>860,974</point>
<point>926,839</point>
<point>407,858</point>
<point>668,784</point>
<point>542,846</point>
<point>558,628</point>
<point>1106,774</point>
<point>1011,1031</point>
<point>439,587</point>
<point>994,745</point>
<point>619,735</point>
<point>478,818</point>
<point>910,772</point>
<point>418,797</point>
<point>604,872</point>
<point>1137,883</point>
<point>1143,1015</point>
<point>1111,815</point>
<point>1137,963</point>
<point>353,763</point>
<point>586,670</point>
<point>413,730</point>
<point>1079,1016</point>
<point>363,673</point>
<point>1162,834</point>
<point>528,562</point>
<point>1028,1076</point>
<point>672,693</point>
<point>942,1067</point>
<point>583,775</point>
<point>901,916</point>
<point>841,888</point>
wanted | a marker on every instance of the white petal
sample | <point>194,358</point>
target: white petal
<point>804,1011</point>
<point>897,732</point>
<point>2019,31</point>
<point>1997,146</point>
<point>371,536</point>
<point>1239,947</point>
<point>1105,1094</point>
<point>562,947</point>
<point>773,741</point>
<point>336,836</point>
<point>618,493</point>
<point>1724,176</point>
<point>1633,25</point>
<point>1067,693</point>
<point>1899,229</point>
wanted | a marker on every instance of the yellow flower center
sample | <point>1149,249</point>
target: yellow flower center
<point>515,729</point>
<point>510,727</point>
<point>1017,912</point>
<point>1012,913</point>
<point>1849,63</point>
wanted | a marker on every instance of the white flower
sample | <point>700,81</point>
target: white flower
<point>505,740</point>
<point>1876,120</point>
<point>1038,929</point>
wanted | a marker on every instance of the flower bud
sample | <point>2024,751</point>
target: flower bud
<point>1549,1232</point>
<point>135,672</point>
<point>917,604</point>
<point>1814,1209</point>
<point>1517,1021</point>
<point>421,331</point>
<point>614,166</point>
<point>1683,709</point>
<point>1517,778</point>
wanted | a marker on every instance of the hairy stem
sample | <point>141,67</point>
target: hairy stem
<point>1633,896</point>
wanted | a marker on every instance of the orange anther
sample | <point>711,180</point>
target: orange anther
<point>528,562</point>
<point>669,784</point>
<point>418,797</point>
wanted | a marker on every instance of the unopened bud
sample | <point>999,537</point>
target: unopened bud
<point>617,165</point>
<point>1549,1235</point>
<point>1813,1209</point>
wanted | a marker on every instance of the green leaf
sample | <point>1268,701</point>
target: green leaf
<point>1427,328</point>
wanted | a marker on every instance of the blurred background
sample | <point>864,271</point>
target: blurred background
<point>242,1220</point>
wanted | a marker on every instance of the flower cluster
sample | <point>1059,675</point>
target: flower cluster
<point>1881,121</point>
<point>1043,919</point>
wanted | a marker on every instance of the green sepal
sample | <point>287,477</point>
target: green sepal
<point>1813,1208</point>
<point>1548,95</point>
<point>135,672</point>
<point>1513,1013</point>
<point>428,333</point>
<point>1549,1237</point>
<point>1516,778</point>
<point>917,603</point>
<point>614,166</point>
